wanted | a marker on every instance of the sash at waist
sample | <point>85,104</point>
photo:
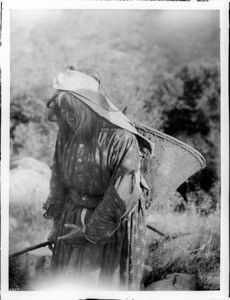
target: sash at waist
<point>84,200</point>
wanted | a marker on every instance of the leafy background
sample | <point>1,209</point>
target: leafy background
<point>162,65</point>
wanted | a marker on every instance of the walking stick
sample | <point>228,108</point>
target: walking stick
<point>30,249</point>
<point>47,243</point>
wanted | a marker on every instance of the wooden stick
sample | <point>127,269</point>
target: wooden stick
<point>30,248</point>
<point>17,253</point>
<point>167,236</point>
<point>156,230</point>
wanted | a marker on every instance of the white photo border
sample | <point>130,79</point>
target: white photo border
<point>222,7</point>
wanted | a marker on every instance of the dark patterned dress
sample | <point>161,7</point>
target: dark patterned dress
<point>83,186</point>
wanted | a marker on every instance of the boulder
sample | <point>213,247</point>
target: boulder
<point>211,281</point>
<point>146,273</point>
<point>29,189</point>
<point>27,185</point>
<point>30,163</point>
<point>29,180</point>
<point>174,282</point>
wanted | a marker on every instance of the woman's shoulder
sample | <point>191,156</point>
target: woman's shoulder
<point>118,137</point>
<point>120,134</point>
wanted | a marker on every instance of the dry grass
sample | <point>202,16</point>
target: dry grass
<point>195,251</point>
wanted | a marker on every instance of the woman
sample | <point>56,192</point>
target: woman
<point>95,196</point>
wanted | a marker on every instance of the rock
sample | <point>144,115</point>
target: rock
<point>30,163</point>
<point>146,273</point>
<point>214,282</point>
<point>28,186</point>
<point>29,189</point>
<point>174,282</point>
<point>29,180</point>
<point>211,281</point>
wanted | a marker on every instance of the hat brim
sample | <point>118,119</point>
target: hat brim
<point>95,101</point>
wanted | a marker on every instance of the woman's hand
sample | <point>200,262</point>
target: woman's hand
<point>52,237</point>
<point>75,237</point>
<point>53,234</point>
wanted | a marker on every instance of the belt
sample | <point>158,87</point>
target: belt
<point>84,200</point>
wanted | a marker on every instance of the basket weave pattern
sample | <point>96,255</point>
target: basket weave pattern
<point>172,163</point>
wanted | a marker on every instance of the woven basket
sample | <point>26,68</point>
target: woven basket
<point>173,162</point>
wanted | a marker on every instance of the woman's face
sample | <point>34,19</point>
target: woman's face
<point>68,115</point>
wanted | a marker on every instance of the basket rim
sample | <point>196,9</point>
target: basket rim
<point>175,141</point>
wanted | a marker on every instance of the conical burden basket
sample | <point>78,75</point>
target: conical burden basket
<point>172,163</point>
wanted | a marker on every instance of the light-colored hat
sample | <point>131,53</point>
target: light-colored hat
<point>86,89</point>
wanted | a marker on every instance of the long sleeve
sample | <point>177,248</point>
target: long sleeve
<point>57,195</point>
<point>123,191</point>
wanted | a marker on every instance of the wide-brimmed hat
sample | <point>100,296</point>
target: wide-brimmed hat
<point>86,89</point>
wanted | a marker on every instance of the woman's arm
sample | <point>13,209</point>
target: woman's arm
<point>123,191</point>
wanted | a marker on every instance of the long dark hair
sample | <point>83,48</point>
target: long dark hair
<point>88,123</point>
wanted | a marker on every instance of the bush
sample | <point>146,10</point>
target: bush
<point>187,103</point>
<point>31,134</point>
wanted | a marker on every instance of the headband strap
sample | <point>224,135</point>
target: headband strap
<point>72,80</point>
